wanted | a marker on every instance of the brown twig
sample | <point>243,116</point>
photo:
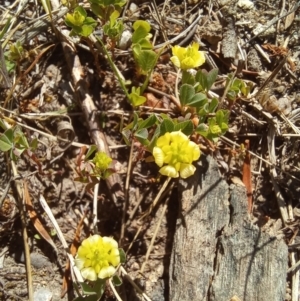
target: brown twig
<point>247,175</point>
<point>88,107</point>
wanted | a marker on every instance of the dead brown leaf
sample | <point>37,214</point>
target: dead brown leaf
<point>34,218</point>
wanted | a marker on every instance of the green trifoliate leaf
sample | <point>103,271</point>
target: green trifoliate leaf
<point>150,121</point>
<point>166,126</point>
<point>211,78</point>
<point>146,60</point>
<point>186,127</point>
<point>6,140</point>
<point>187,92</point>
<point>135,98</point>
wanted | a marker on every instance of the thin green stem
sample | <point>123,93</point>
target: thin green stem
<point>145,84</point>
<point>114,68</point>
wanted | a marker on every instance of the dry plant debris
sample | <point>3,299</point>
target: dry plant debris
<point>60,95</point>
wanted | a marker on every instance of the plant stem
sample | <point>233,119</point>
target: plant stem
<point>114,68</point>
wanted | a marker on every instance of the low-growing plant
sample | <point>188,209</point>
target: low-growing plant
<point>14,141</point>
<point>93,166</point>
<point>80,23</point>
<point>97,259</point>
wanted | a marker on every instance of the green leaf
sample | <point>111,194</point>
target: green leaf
<point>136,49</point>
<point>19,139</point>
<point>145,44</point>
<point>202,129</point>
<point>213,105</point>
<point>146,60</point>
<point>122,255</point>
<point>90,21</point>
<point>5,28</point>
<point>126,133</point>
<point>99,10</point>
<point>114,16</point>
<point>198,100</point>
<point>150,121</point>
<point>139,34</point>
<point>3,125</point>
<point>6,140</point>
<point>186,127</point>
<point>141,24</point>
<point>135,118</point>
<point>100,286</point>
<point>16,51</point>
<point>187,92</point>
<point>135,98</point>
<point>142,135</point>
<point>93,148</point>
<point>34,144</point>
<point>77,18</point>
<point>81,11</point>
<point>87,290</point>
<point>86,30</point>
<point>224,127</point>
<point>201,78</point>
<point>80,23</point>
<point>166,126</point>
<point>116,280</point>
<point>211,78</point>
<point>187,78</point>
<point>222,117</point>
<point>219,117</point>
<point>231,95</point>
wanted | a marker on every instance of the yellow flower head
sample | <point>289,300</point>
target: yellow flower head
<point>177,152</point>
<point>102,161</point>
<point>187,58</point>
<point>97,257</point>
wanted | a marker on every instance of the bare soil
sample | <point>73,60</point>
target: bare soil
<point>223,26</point>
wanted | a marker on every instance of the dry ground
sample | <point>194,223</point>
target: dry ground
<point>270,121</point>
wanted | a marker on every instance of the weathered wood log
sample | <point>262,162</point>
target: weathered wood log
<point>218,254</point>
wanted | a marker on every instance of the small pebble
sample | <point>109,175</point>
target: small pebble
<point>125,40</point>
<point>42,294</point>
<point>245,4</point>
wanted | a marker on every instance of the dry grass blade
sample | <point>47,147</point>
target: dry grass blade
<point>264,90</point>
<point>9,96</point>
<point>73,249</point>
<point>273,173</point>
<point>18,186</point>
<point>61,237</point>
<point>34,218</point>
<point>134,284</point>
<point>40,25</point>
<point>4,79</point>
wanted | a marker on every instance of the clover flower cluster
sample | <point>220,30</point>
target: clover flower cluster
<point>174,153</point>
<point>187,57</point>
<point>97,257</point>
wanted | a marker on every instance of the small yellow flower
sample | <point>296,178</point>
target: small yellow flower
<point>177,152</point>
<point>187,58</point>
<point>97,257</point>
<point>102,161</point>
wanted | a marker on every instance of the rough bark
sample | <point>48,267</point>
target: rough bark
<point>218,254</point>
